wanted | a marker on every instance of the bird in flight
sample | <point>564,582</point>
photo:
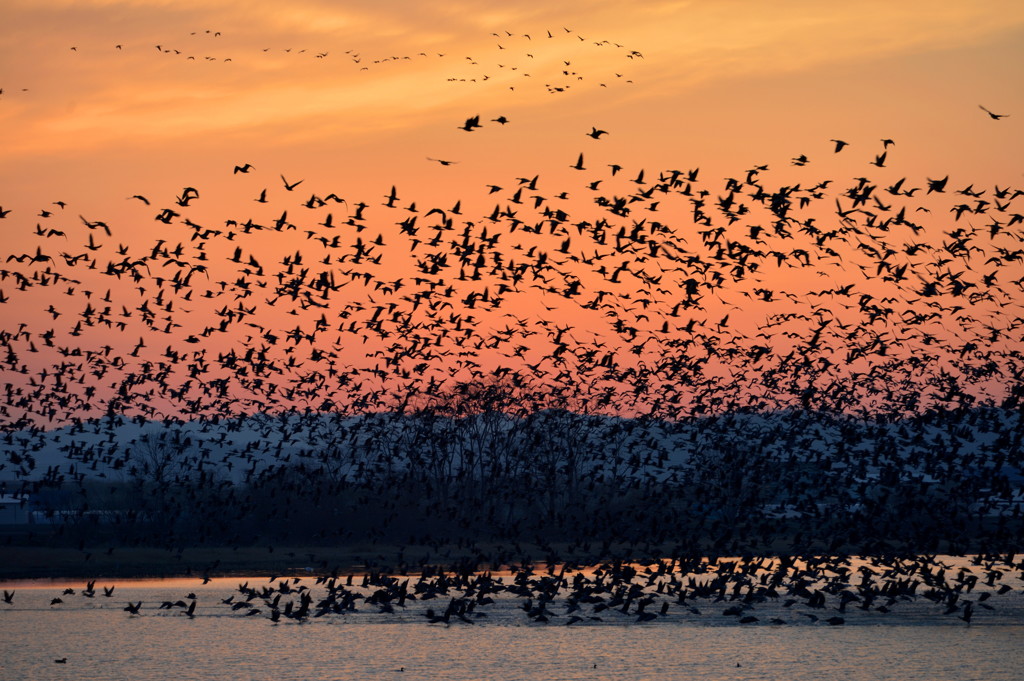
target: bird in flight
<point>292,186</point>
<point>596,134</point>
<point>994,116</point>
<point>472,122</point>
<point>242,169</point>
<point>441,161</point>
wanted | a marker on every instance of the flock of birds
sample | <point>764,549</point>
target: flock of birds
<point>551,60</point>
<point>895,316</point>
<point>768,591</point>
<point>603,354</point>
<point>436,488</point>
<point>847,303</point>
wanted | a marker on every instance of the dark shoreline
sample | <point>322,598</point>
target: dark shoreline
<point>147,562</point>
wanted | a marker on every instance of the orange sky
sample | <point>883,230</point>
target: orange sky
<point>354,98</point>
<point>729,83</point>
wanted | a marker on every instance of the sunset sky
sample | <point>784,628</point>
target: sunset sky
<point>103,100</point>
<point>720,83</point>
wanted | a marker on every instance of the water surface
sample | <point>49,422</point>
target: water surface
<point>915,640</point>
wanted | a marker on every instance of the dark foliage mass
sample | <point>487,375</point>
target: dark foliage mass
<point>557,483</point>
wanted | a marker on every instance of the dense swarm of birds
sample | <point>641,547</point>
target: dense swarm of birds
<point>636,357</point>
<point>750,302</point>
<point>823,591</point>
<point>377,371</point>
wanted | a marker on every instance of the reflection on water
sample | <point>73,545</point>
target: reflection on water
<point>919,638</point>
<point>102,647</point>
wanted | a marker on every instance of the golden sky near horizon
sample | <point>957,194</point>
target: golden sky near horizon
<point>728,83</point>
<point>105,99</point>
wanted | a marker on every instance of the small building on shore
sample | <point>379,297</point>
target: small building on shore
<point>14,510</point>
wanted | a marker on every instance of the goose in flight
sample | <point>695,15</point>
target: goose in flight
<point>993,116</point>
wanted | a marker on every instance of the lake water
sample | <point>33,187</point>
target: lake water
<point>916,639</point>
